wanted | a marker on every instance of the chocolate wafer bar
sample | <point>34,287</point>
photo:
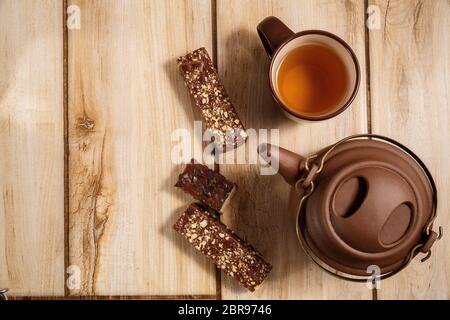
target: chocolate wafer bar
<point>205,185</point>
<point>210,97</point>
<point>231,254</point>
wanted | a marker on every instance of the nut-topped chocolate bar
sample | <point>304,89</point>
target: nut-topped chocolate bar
<point>209,95</point>
<point>231,254</point>
<point>205,185</point>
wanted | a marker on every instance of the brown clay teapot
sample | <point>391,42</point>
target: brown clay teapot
<point>366,200</point>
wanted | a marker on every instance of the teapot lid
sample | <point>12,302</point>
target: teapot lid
<point>371,204</point>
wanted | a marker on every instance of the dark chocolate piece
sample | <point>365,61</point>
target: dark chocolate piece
<point>231,254</point>
<point>210,97</point>
<point>205,185</point>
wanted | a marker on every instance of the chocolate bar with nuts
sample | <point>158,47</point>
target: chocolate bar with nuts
<point>205,185</point>
<point>231,254</point>
<point>209,95</point>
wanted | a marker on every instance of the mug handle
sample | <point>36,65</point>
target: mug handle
<point>273,33</point>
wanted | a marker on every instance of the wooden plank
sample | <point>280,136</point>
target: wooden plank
<point>410,83</point>
<point>126,98</point>
<point>261,216</point>
<point>31,148</point>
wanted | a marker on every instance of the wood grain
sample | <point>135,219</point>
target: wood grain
<point>261,216</point>
<point>31,148</point>
<point>410,84</point>
<point>125,99</point>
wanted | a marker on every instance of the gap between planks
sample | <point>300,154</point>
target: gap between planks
<point>118,297</point>
<point>216,165</point>
<point>367,61</point>
<point>66,142</point>
<point>375,291</point>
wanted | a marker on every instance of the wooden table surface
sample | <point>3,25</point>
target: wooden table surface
<point>86,177</point>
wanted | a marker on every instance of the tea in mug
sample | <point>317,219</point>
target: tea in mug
<point>312,80</point>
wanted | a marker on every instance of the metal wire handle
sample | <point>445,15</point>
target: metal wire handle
<point>414,251</point>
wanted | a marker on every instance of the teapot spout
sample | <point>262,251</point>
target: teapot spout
<point>290,164</point>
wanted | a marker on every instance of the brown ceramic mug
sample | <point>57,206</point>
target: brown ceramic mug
<point>281,44</point>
